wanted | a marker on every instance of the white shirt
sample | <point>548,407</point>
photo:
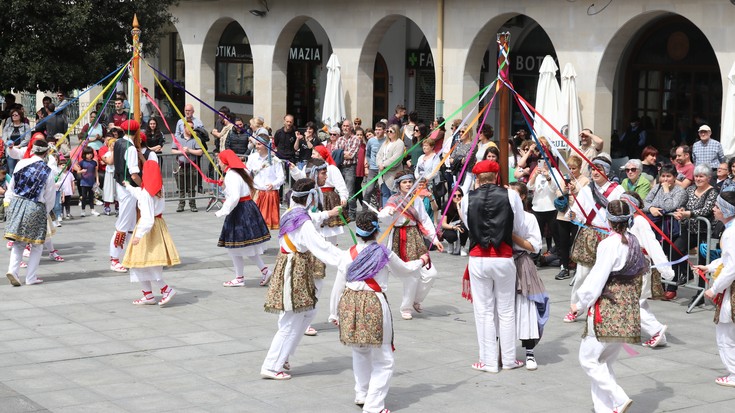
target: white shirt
<point>264,172</point>
<point>724,281</point>
<point>643,232</point>
<point>585,200</point>
<point>235,188</point>
<point>149,207</point>
<point>306,238</point>
<point>387,214</point>
<point>530,232</point>
<point>611,256</point>
<point>427,167</point>
<point>47,196</point>
<point>334,180</point>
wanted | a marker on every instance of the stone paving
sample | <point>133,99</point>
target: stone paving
<point>77,344</point>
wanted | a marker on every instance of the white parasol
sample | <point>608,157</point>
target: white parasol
<point>572,116</point>
<point>548,98</point>
<point>333,112</point>
<point>727,134</point>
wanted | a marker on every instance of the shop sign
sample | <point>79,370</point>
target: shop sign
<point>305,54</point>
<point>419,59</point>
<point>234,51</point>
<point>527,64</point>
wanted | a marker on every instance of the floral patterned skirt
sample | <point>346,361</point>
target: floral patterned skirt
<point>26,221</point>
<point>412,247</point>
<point>331,200</point>
<point>360,319</point>
<point>292,287</point>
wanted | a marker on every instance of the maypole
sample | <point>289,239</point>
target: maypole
<point>136,68</point>
<point>503,104</point>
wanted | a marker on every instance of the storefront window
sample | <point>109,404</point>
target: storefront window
<point>234,75</point>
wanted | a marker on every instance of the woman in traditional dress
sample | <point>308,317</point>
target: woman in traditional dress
<point>532,300</point>
<point>244,230</point>
<point>722,290</point>
<point>407,240</point>
<point>652,277</point>
<point>359,307</point>
<point>151,248</point>
<point>31,194</point>
<point>610,295</point>
<point>297,278</point>
<point>267,171</point>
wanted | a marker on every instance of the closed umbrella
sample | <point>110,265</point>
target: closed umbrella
<point>333,112</point>
<point>727,136</point>
<point>548,98</point>
<point>570,104</point>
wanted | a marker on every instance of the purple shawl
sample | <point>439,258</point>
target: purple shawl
<point>293,220</point>
<point>368,262</point>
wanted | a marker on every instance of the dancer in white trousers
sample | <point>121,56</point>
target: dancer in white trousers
<point>297,278</point>
<point>358,305</point>
<point>589,208</point>
<point>722,290</point>
<point>652,249</point>
<point>610,295</point>
<point>407,241</point>
<point>492,214</point>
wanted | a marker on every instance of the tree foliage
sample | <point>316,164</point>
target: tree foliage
<point>71,44</point>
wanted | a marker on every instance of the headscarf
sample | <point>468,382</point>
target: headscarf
<point>29,149</point>
<point>152,180</point>
<point>324,153</point>
<point>311,195</point>
<point>728,209</point>
<point>231,160</point>
<point>292,220</point>
<point>604,164</point>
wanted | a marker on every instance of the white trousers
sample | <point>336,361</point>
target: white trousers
<point>373,368</point>
<point>291,327</point>
<point>16,255</point>
<point>725,333</point>
<point>493,285</point>
<point>417,287</point>
<point>579,278</point>
<point>649,324</point>
<point>596,359</point>
<point>125,222</point>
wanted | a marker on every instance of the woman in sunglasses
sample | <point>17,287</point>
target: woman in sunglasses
<point>634,181</point>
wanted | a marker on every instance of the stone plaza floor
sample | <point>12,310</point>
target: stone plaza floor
<point>77,344</point>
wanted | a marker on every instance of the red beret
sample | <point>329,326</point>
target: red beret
<point>485,166</point>
<point>130,126</point>
<point>143,138</point>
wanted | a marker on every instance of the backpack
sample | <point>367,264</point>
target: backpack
<point>203,135</point>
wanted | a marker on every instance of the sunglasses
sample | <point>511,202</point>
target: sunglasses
<point>631,169</point>
<point>390,131</point>
<point>457,196</point>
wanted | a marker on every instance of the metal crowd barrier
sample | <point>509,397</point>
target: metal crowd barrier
<point>702,237</point>
<point>182,183</point>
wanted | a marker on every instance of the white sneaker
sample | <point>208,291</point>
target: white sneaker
<point>95,213</point>
<point>531,363</point>
<point>98,202</point>
<point>463,252</point>
<point>83,214</point>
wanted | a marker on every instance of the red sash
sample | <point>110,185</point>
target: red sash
<point>370,281</point>
<point>503,251</point>
<point>593,214</point>
<point>327,189</point>
<point>246,198</point>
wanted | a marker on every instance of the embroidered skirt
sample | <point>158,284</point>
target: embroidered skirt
<point>360,319</point>
<point>26,221</point>
<point>408,243</point>
<point>292,287</point>
<point>331,200</point>
<point>155,249</point>
<point>269,206</point>
<point>243,226</point>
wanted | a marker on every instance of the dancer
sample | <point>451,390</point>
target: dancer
<point>407,241</point>
<point>722,290</point>
<point>244,230</point>
<point>610,295</point>
<point>151,248</point>
<point>334,192</point>
<point>31,194</point>
<point>653,252</point>
<point>589,208</point>
<point>532,300</point>
<point>492,214</point>
<point>297,279</point>
<point>359,307</point>
<point>267,171</point>
<point>125,158</point>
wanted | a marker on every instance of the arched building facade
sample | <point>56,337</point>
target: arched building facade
<point>663,61</point>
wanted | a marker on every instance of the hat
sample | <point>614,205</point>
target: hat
<point>152,180</point>
<point>143,138</point>
<point>130,126</point>
<point>704,127</point>
<point>334,130</point>
<point>231,160</point>
<point>485,166</point>
<point>262,131</point>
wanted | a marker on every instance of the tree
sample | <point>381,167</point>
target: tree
<point>71,44</point>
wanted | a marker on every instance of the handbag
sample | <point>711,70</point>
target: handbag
<point>584,249</point>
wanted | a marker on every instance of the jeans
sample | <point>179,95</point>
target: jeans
<point>367,194</point>
<point>385,193</point>
<point>348,173</point>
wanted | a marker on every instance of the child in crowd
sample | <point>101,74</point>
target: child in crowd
<point>151,248</point>
<point>109,195</point>
<point>87,169</point>
<point>66,186</point>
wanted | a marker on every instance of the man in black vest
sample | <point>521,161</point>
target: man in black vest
<point>491,214</point>
<point>127,168</point>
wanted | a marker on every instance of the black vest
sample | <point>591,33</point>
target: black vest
<point>489,216</point>
<point>121,167</point>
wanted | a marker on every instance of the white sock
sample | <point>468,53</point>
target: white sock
<point>257,261</point>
